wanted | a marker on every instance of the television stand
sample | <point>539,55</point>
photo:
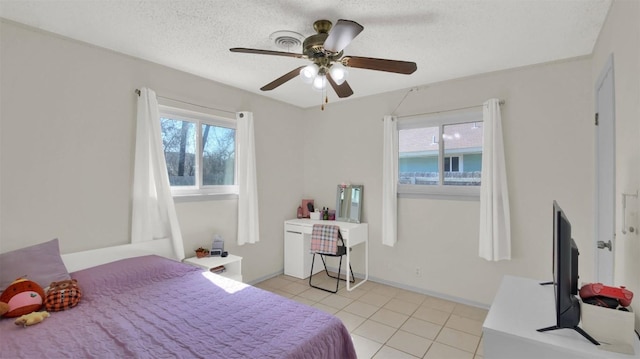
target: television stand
<point>576,328</point>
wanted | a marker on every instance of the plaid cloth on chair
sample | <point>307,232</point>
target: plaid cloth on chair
<point>324,239</point>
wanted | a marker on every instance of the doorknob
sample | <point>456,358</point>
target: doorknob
<point>602,245</point>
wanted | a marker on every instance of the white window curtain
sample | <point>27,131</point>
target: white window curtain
<point>495,227</point>
<point>248,220</point>
<point>390,182</point>
<point>154,214</point>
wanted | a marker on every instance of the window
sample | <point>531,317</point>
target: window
<point>441,154</point>
<point>452,164</point>
<point>200,152</point>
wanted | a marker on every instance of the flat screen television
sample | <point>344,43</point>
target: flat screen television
<point>565,276</point>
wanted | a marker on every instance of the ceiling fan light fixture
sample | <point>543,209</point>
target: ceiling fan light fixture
<point>308,73</point>
<point>338,73</point>
<point>320,82</point>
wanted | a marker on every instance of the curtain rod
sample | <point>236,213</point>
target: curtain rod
<point>501,102</point>
<point>137,91</point>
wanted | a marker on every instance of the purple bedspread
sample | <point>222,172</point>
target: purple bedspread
<point>152,307</point>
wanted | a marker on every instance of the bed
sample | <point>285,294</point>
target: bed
<point>153,307</point>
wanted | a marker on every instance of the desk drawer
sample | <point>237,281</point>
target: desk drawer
<point>307,229</point>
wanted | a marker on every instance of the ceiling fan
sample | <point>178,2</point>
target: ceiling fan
<point>325,50</point>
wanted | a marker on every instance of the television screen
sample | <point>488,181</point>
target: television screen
<point>565,276</point>
<point>567,305</point>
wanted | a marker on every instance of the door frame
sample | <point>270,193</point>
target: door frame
<point>606,68</point>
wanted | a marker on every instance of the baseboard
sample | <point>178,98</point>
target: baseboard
<point>432,293</point>
<point>418,290</point>
<point>390,283</point>
<point>265,277</point>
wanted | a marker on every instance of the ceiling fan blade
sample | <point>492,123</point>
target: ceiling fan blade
<point>282,79</point>
<point>266,52</point>
<point>343,90</point>
<point>370,63</point>
<point>341,35</point>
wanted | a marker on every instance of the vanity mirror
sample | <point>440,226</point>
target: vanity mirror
<point>349,203</point>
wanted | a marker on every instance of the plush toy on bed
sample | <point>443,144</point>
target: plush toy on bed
<point>23,296</point>
<point>62,295</point>
<point>32,318</point>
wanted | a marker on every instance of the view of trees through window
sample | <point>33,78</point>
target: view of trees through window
<point>218,155</point>
<point>217,146</point>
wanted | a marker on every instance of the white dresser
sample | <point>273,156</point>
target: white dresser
<point>522,306</point>
<point>297,246</point>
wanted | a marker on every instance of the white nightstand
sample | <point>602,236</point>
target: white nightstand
<point>232,264</point>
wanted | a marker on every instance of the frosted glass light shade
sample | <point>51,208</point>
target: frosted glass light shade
<point>320,82</point>
<point>338,73</point>
<point>308,73</point>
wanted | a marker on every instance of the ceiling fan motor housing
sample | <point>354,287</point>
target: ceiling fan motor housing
<point>313,45</point>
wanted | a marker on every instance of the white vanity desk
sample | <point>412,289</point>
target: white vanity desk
<point>297,246</point>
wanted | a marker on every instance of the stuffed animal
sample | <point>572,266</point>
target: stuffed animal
<point>62,295</point>
<point>32,318</point>
<point>4,307</point>
<point>23,296</point>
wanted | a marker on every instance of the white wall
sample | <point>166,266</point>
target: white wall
<point>620,36</point>
<point>548,129</point>
<point>66,145</point>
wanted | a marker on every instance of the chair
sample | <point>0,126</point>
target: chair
<point>326,240</point>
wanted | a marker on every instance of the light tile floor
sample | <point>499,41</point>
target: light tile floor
<point>388,322</point>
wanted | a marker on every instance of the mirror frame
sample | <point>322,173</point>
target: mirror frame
<point>348,216</point>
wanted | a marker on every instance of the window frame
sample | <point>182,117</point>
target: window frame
<point>199,118</point>
<point>439,120</point>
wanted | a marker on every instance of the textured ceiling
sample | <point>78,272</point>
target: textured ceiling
<point>447,39</point>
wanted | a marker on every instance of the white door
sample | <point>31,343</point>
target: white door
<point>605,175</point>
